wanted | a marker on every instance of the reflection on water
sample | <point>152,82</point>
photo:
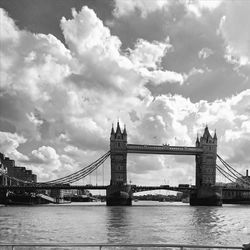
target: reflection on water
<point>206,221</point>
<point>119,221</point>
<point>144,222</point>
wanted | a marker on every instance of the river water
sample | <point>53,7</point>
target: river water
<point>144,222</point>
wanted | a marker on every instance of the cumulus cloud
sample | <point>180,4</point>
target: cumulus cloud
<point>145,7</point>
<point>148,54</point>
<point>234,28</point>
<point>45,154</point>
<point>9,144</point>
<point>196,7</point>
<point>48,164</point>
<point>146,57</point>
<point>205,53</point>
<point>63,99</point>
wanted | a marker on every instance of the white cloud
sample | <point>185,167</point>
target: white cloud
<point>9,144</point>
<point>70,96</point>
<point>234,28</point>
<point>148,54</point>
<point>145,7</point>
<point>9,31</point>
<point>48,164</point>
<point>197,6</point>
<point>146,58</point>
<point>45,154</point>
<point>205,53</point>
<point>123,8</point>
<point>193,72</point>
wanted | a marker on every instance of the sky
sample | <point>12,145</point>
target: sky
<point>164,68</point>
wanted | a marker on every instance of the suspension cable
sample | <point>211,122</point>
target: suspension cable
<point>241,178</point>
<point>226,164</point>
<point>83,170</point>
<point>224,173</point>
<point>69,178</point>
<point>229,169</point>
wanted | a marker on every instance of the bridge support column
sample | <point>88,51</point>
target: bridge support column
<point>3,196</point>
<point>119,193</point>
<point>57,194</point>
<point>207,194</point>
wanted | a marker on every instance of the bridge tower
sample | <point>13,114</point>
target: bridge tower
<point>206,171</point>
<point>206,162</point>
<point>118,149</point>
<point>119,192</point>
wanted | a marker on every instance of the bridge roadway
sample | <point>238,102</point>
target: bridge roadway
<point>164,149</point>
<point>135,188</point>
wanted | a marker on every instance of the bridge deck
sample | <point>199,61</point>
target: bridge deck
<point>164,149</point>
<point>135,188</point>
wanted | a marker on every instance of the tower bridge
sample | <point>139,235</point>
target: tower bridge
<point>119,192</point>
<point>205,152</point>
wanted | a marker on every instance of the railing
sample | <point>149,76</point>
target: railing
<point>119,246</point>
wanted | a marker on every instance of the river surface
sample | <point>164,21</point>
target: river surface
<point>144,222</point>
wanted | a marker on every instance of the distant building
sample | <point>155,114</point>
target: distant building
<point>244,181</point>
<point>14,171</point>
<point>237,196</point>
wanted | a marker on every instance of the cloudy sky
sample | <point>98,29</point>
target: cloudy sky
<point>165,68</point>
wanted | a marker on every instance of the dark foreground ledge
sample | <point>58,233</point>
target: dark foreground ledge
<point>14,246</point>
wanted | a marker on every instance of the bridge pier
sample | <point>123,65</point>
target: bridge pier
<point>3,196</point>
<point>206,196</point>
<point>119,195</point>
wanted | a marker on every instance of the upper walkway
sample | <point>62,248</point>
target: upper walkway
<point>164,149</point>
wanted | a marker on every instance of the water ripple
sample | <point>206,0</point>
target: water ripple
<point>143,223</point>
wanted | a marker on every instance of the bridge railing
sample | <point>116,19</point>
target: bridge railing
<point>102,246</point>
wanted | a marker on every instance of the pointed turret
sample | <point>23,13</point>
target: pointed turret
<point>215,135</point>
<point>118,129</point>
<point>124,134</point>
<point>206,135</point>
<point>124,130</point>
<point>112,130</point>
<point>112,134</point>
<point>197,143</point>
